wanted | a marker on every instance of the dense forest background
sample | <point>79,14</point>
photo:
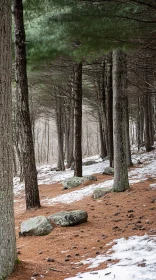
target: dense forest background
<point>60,34</point>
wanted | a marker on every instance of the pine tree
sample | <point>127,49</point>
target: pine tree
<point>119,94</point>
<point>28,156</point>
<point>7,227</point>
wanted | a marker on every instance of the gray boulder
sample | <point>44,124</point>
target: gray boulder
<point>99,192</point>
<point>76,181</point>
<point>69,218</point>
<point>90,177</point>
<point>108,171</point>
<point>89,162</point>
<point>72,182</point>
<point>36,226</point>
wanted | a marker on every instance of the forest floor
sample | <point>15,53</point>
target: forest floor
<point>59,255</point>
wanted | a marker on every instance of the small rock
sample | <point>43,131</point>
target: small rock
<point>108,171</point>
<point>99,192</point>
<point>130,215</point>
<point>142,264</point>
<point>116,228</point>
<point>130,211</point>
<point>117,220</point>
<point>117,213</point>
<point>50,260</point>
<point>35,274</point>
<point>153,230</point>
<point>73,247</point>
<point>68,256</point>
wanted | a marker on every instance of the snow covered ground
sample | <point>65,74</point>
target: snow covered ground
<point>46,176</point>
<point>136,175</point>
<point>136,261</point>
<point>136,256</point>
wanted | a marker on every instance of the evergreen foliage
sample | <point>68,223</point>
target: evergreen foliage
<point>83,29</point>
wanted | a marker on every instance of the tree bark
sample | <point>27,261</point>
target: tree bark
<point>147,123</point>
<point>140,122</point>
<point>128,150</point>
<point>78,120</point>
<point>103,150</point>
<point>14,162</point>
<point>151,120</point>
<point>7,226</point>
<point>121,182</point>
<point>69,125</point>
<point>69,135</point>
<point>109,99</point>
<point>29,166</point>
<point>60,134</point>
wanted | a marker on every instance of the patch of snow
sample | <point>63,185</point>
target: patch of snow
<point>96,158</point>
<point>153,185</point>
<point>18,187</point>
<point>136,175</point>
<point>136,261</point>
<point>77,195</point>
<point>47,176</point>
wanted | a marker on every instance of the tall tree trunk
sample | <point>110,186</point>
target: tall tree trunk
<point>69,135</point>
<point>128,150</point>
<point>78,119</point>
<point>60,134</point>
<point>151,118</point>
<point>7,227</point>
<point>29,166</point>
<point>109,98</point>
<point>121,182</point>
<point>147,123</point>
<point>103,102</point>
<point>69,126</point>
<point>48,140</point>
<point>140,122</point>
<point>19,154</point>
<point>103,150</point>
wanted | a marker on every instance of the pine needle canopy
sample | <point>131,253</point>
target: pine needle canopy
<point>85,29</point>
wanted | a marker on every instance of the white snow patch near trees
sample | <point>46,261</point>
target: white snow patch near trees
<point>136,175</point>
<point>136,261</point>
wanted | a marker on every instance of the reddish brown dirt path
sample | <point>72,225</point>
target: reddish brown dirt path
<point>114,216</point>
